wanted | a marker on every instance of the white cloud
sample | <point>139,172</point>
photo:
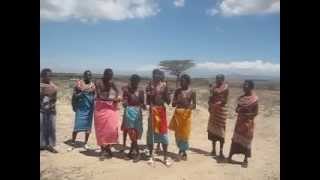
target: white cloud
<point>246,7</point>
<point>257,67</point>
<point>179,3</point>
<point>94,10</point>
<point>212,12</point>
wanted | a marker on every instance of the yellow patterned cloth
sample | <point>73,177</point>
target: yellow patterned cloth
<point>181,123</point>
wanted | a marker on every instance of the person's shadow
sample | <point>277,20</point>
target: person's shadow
<point>172,155</point>
<point>200,151</point>
<point>77,144</point>
<point>218,159</point>
<point>118,151</point>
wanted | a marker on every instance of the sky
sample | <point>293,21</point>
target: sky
<point>133,36</point>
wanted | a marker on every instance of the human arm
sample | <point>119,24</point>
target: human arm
<point>142,100</point>
<point>174,101</point>
<point>167,94</point>
<point>115,88</point>
<point>125,96</point>
<point>224,100</point>
<point>194,100</point>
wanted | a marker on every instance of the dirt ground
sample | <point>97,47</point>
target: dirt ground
<point>80,164</point>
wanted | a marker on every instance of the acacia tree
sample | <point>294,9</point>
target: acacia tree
<point>176,67</point>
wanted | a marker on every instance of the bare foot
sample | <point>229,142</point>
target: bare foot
<point>184,156</point>
<point>167,163</point>
<point>151,162</point>
<point>244,164</point>
<point>136,158</point>
<point>102,156</point>
<point>213,153</point>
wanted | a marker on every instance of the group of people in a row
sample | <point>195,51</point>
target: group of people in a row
<point>93,100</point>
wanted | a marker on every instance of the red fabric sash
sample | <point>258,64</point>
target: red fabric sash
<point>159,119</point>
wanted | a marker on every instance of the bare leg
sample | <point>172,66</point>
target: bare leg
<point>230,157</point>
<point>165,148</point>
<point>213,152</point>
<point>131,150</point>
<point>184,155</point>
<point>165,152</point>
<point>136,147</point>
<point>125,138</point>
<point>102,153</point>
<point>108,149</point>
<point>221,150</point>
<point>245,162</point>
<point>150,162</point>
<point>158,148</point>
<point>151,150</point>
<point>87,137</point>
<point>124,141</point>
<point>74,136</point>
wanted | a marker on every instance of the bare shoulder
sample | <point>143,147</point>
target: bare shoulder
<point>53,85</point>
<point>97,82</point>
<point>125,87</point>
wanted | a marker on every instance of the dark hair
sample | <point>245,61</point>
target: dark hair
<point>108,71</point>
<point>220,76</point>
<point>86,71</point>
<point>45,71</point>
<point>186,77</point>
<point>135,77</point>
<point>156,71</point>
<point>250,83</point>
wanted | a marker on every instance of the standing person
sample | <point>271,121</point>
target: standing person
<point>133,102</point>
<point>247,110</point>
<point>48,98</point>
<point>158,148</point>
<point>106,114</point>
<point>184,100</point>
<point>218,114</point>
<point>83,104</point>
<point>157,96</point>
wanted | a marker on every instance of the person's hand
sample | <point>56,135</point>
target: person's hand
<point>49,91</point>
<point>218,103</point>
<point>243,110</point>
<point>150,93</point>
<point>144,107</point>
<point>117,99</point>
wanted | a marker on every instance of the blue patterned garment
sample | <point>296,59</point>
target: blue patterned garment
<point>182,145</point>
<point>133,119</point>
<point>84,112</point>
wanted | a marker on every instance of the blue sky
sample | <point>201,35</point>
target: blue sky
<point>134,35</point>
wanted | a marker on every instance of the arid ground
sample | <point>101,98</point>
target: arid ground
<point>80,164</point>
